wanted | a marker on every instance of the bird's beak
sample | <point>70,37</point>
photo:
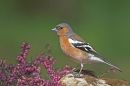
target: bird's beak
<point>54,29</point>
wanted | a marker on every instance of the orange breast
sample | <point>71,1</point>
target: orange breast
<point>72,53</point>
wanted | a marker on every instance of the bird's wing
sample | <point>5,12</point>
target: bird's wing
<point>82,45</point>
<point>79,43</point>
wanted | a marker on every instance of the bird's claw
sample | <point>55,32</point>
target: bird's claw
<point>77,75</point>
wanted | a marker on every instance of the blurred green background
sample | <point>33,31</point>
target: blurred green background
<point>105,24</point>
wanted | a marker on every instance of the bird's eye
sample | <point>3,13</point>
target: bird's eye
<point>59,28</point>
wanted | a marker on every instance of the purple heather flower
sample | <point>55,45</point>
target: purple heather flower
<point>27,73</point>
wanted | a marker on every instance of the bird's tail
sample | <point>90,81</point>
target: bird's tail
<point>108,63</point>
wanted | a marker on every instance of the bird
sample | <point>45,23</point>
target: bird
<point>76,49</point>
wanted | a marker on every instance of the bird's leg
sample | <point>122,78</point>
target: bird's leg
<point>81,68</point>
<point>77,75</point>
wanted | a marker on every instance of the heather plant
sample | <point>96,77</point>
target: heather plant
<point>28,73</point>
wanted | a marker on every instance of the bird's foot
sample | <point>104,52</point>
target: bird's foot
<point>77,75</point>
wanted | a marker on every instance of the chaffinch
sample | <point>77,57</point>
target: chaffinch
<point>76,49</point>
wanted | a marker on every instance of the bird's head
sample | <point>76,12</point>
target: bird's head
<point>63,29</point>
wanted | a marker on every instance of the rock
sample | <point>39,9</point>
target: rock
<point>90,80</point>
